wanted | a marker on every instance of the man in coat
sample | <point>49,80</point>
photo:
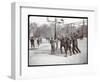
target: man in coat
<point>52,42</point>
<point>32,42</point>
<point>75,44</point>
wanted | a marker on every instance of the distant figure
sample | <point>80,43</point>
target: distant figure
<point>52,42</point>
<point>48,39</point>
<point>38,41</point>
<point>32,42</point>
<point>68,46</point>
<point>75,44</point>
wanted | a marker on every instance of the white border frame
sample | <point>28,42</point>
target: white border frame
<point>16,65</point>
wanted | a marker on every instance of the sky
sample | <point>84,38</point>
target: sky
<point>43,20</point>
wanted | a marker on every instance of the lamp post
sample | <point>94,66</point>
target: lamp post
<point>56,21</point>
<point>55,29</point>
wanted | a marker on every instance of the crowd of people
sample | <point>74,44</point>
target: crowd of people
<point>68,43</point>
<point>33,39</point>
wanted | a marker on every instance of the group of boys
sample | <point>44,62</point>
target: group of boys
<point>68,43</point>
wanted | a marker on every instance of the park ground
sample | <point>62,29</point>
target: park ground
<point>42,55</point>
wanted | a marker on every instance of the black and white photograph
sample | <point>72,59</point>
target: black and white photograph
<point>57,40</point>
